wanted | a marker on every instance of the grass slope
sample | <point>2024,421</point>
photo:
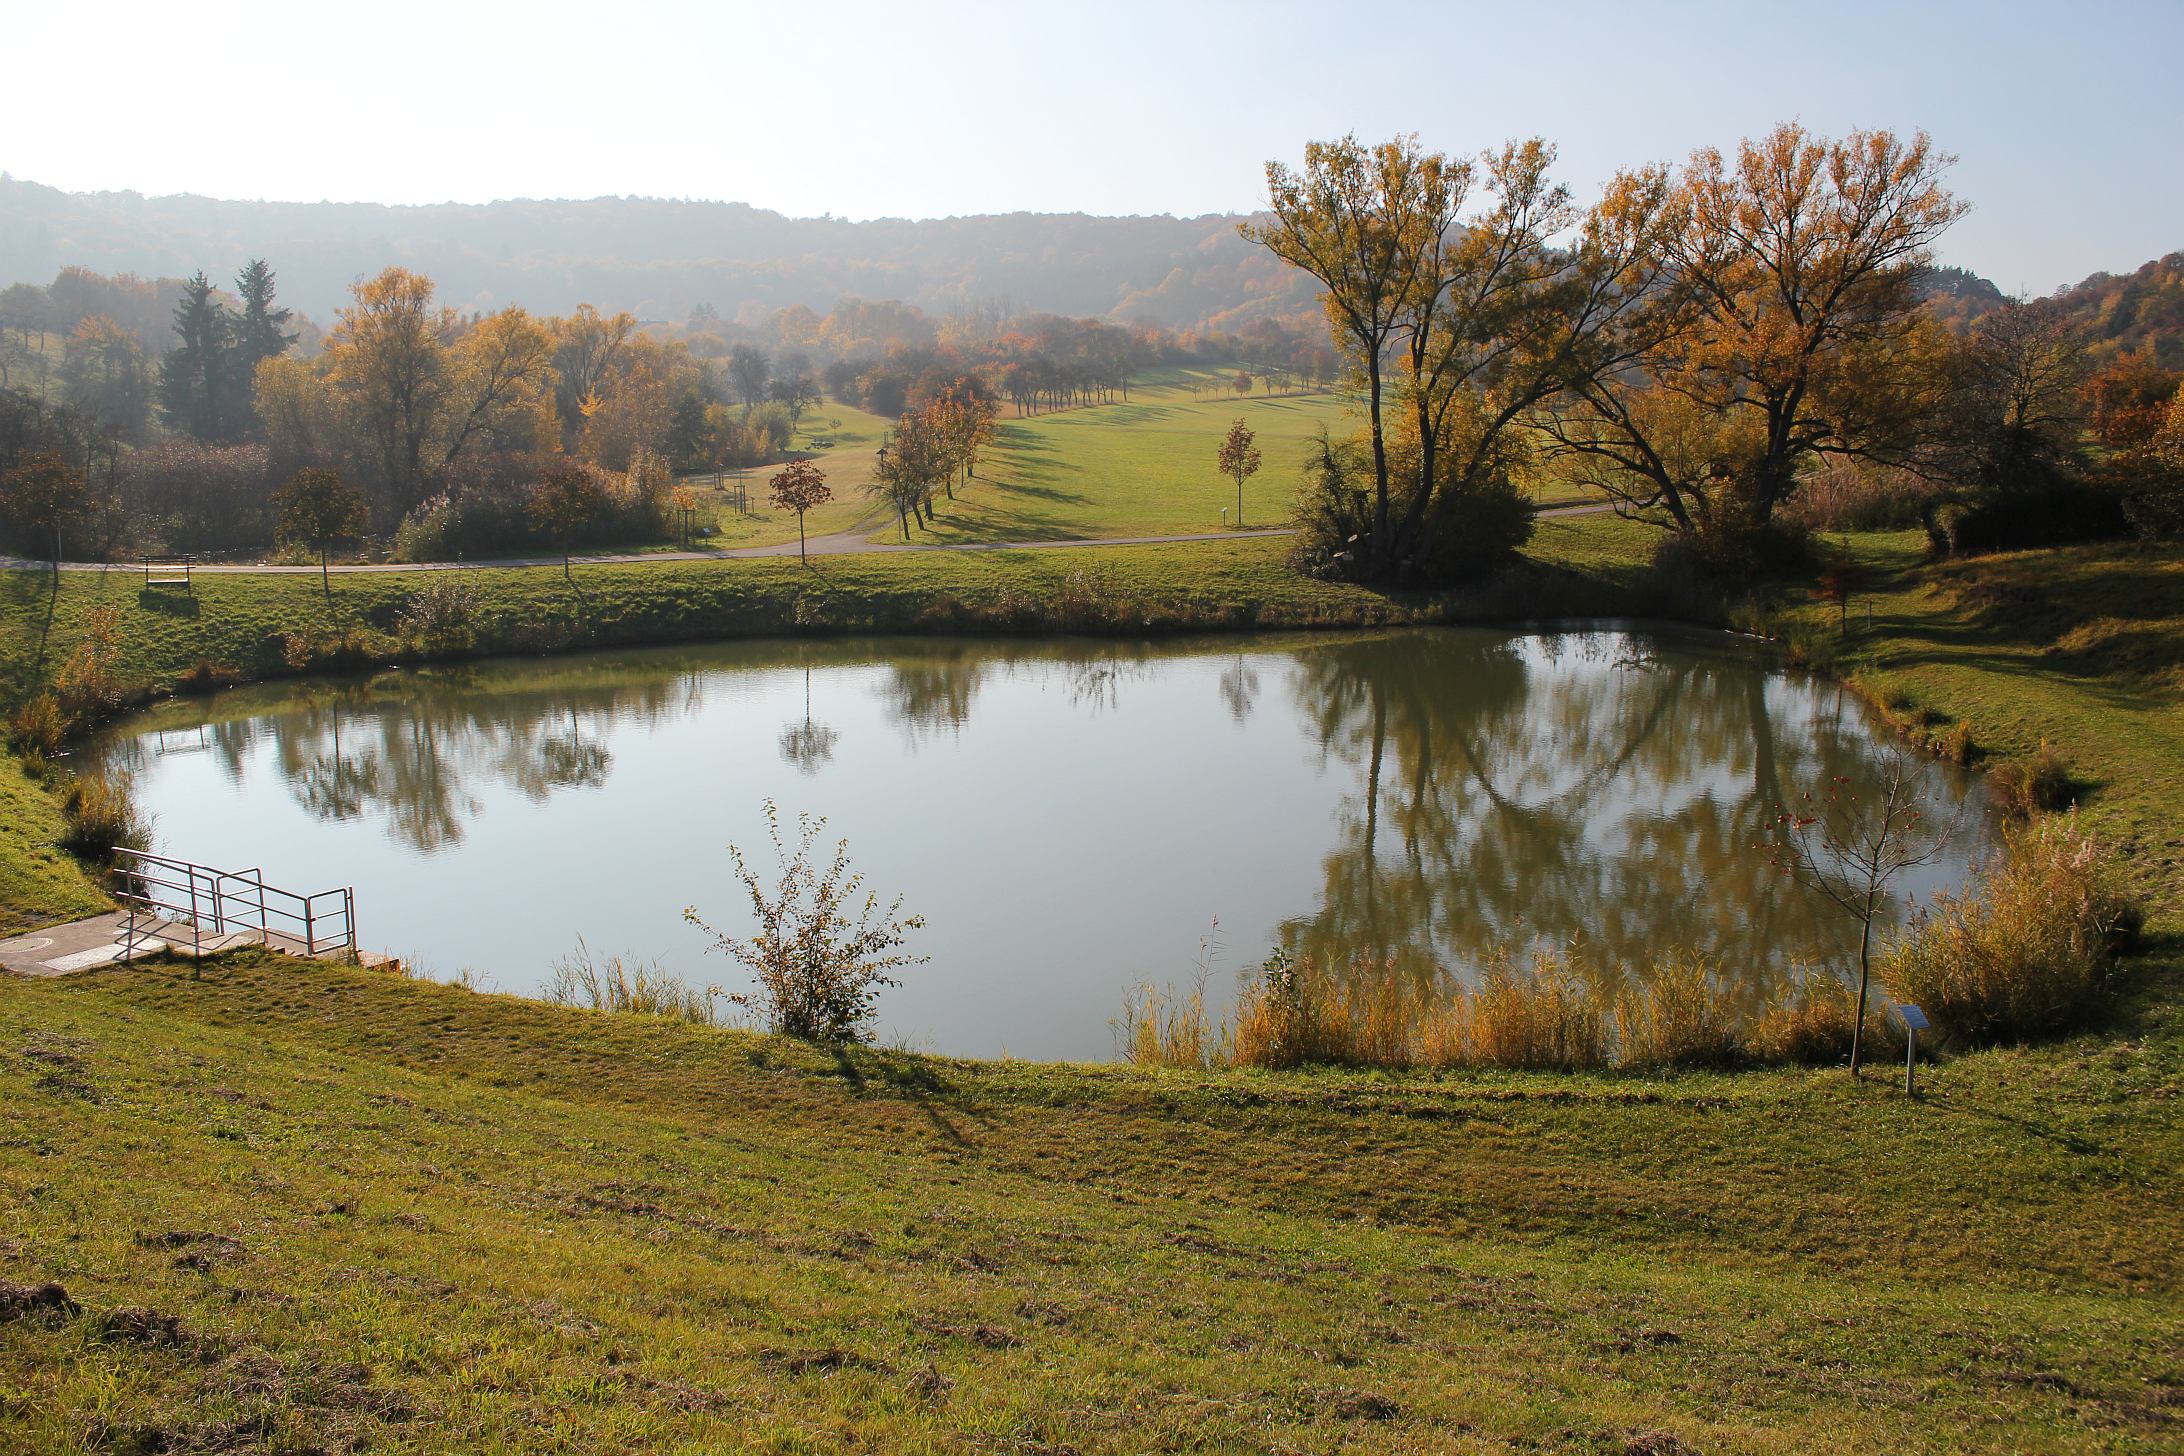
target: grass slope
<point>406,1216</point>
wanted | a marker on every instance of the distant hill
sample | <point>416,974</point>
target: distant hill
<point>2120,313</point>
<point>660,259</point>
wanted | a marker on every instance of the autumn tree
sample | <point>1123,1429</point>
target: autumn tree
<point>501,385</point>
<point>2129,399</point>
<point>588,346</point>
<point>1785,323</point>
<point>107,379</point>
<point>800,487</point>
<point>1239,460</point>
<point>315,509</point>
<point>1348,219</point>
<point>1467,322</point>
<point>911,466</point>
<point>388,360</point>
<point>41,493</point>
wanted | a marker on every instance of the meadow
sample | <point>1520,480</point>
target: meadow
<point>1138,467</point>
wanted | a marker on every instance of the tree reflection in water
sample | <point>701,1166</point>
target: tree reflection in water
<point>1565,791</point>
<point>405,746</point>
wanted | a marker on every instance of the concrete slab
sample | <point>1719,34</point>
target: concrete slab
<point>86,945</point>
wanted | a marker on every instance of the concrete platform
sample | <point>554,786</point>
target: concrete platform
<point>85,945</point>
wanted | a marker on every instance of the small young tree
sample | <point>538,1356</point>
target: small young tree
<point>801,487</point>
<point>1851,848</point>
<point>564,504</point>
<point>316,508</point>
<point>820,955</point>
<point>44,493</point>
<point>1239,460</point>
<point>1842,575</point>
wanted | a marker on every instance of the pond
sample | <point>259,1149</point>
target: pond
<point>1071,818</point>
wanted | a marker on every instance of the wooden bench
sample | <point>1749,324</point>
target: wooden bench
<point>168,577</point>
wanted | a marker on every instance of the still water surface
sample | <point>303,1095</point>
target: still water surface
<point>1071,818</point>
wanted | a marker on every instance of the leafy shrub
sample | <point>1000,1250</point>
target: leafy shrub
<point>99,816</point>
<point>1731,546</point>
<point>442,608</point>
<point>194,497</point>
<point>2027,951</point>
<point>489,511</point>
<point>1471,527</point>
<point>88,685</point>
<point>820,956</point>
<point>2037,784</point>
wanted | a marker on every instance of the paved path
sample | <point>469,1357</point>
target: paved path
<point>842,543</point>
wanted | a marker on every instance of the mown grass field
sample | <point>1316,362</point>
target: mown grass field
<point>409,1217</point>
<point>405,1216</point>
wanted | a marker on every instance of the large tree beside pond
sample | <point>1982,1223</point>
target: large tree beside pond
<point>1783,322</point>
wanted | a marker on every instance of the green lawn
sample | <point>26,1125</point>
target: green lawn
<point>416,1218</point>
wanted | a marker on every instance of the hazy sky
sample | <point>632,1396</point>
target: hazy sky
<point>2068,118</point>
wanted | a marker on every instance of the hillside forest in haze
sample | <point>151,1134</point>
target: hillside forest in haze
<point>659,259</point>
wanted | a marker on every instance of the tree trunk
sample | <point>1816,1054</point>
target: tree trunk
<point>801,554</point>
<point>1865,962</point>
<point>325,572</point>
<point>1380,459</point>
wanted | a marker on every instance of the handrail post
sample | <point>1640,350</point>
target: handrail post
<point>348,898</point>
<point>310,938</point>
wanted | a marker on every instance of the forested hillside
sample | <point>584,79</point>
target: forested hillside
<point>660,259</point>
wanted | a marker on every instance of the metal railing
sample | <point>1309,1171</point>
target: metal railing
<point>162,892</point>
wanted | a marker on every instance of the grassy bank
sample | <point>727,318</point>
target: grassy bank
<point>266,626</point>
<point>406,1216</point>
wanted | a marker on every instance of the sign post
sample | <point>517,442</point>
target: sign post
<point>1914,1022</point>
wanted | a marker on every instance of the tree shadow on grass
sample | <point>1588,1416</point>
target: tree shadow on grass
<point>908,1078</point>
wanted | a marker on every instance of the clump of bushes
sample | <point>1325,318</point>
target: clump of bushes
<point>442,609</point>
<point>2037,784</point>
<point>2037,510</point>
<point>205,676</point>
<point>99,816</point>
<point>493,511</point>
<point>2028,952</point>
<point>39,728</point>
<point>1849,495</point>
